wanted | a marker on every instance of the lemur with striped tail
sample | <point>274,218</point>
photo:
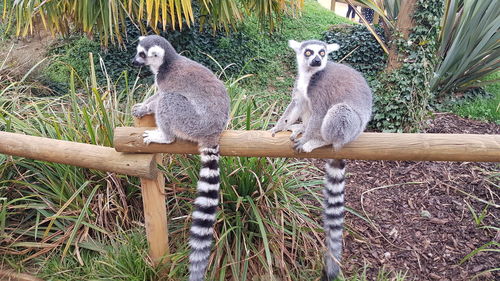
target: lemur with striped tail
<point>191,104</point>
<point>334,103</point>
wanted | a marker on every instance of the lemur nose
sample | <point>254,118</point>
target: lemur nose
<point>135,62</point>
<point>316,61</point>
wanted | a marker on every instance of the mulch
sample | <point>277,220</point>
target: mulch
<point>416,215</point>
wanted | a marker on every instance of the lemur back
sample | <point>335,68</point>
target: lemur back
<point>334,92</point>
<point>334,103</point>
<point>191,104</point>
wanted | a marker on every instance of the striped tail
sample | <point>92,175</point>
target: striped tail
<point>333,216</point>
<point>206,203</point>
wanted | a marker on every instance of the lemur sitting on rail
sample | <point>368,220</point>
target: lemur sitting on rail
<point>191,104</point>
<point>334,103</point>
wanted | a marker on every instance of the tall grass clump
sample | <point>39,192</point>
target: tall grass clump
<point>51,206</point>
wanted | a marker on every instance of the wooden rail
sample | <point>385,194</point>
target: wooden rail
<point>142,162</point>
<point>369,146</point>
<point>78,154</point>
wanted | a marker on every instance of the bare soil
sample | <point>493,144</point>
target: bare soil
<point>416,214</point>
<point>18,56</point>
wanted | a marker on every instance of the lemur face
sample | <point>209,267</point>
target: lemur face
<point>312,55</point>
<point>149,53</point>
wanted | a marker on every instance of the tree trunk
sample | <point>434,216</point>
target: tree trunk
<point>404,25</point>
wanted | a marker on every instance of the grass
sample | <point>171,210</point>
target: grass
<point>484,109</point>
<point>275,76</point>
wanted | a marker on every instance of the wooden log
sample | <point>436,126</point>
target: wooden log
<point>369,146</point>
<point>78,154</point>
<point>155,212</point>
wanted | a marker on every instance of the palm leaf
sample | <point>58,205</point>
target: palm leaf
<point>469,44</point>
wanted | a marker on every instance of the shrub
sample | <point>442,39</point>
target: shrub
<point>358,47</point>
<point>72,56</point>
<point>402,96</point>
<point>214,50</point>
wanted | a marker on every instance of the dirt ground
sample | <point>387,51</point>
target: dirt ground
<point>18,56</point>
<point>416,214</point>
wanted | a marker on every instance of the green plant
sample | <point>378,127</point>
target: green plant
<point>402,96</point>
<point>108,18</point>
<point>469,45</point>
<point>72,57</point>
<point>358,47</point>
<point>485,108</point>
<point>247,51</point>
<point>477,103</point>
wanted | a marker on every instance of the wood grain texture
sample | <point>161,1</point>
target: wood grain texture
<point>155,211</point>
<point>369,146</point>
<point>78,154</point>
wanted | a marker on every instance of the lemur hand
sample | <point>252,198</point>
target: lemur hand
<point>278,128</point>
<point>140,109</point>
<point>296,129</point>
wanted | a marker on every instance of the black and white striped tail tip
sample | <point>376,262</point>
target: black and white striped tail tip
<point>333,217</point>
<point>204,216</point>
<point>329,276</point>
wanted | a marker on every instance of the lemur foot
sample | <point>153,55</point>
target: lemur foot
<point>308,146</point>
<point>156,136</point>
<point>139,110</point>
<point>296,129</point>
<point>298,145</point>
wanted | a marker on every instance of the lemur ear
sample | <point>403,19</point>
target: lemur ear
<point>332,47</point>
<point>141,37</point>
<point>294,45</point>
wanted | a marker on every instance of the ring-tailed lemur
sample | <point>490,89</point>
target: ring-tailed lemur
<point>191,104</point>
<point>334,103</point>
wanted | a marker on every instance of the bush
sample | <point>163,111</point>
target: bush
<point>74,55</point>
<point>215,51</point>
<point>358,47</point>
<point>402,97</point>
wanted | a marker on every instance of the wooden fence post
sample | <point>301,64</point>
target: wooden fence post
<point>332,5</point>
<point>155,212</point>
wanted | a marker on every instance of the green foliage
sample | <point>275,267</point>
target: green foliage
<point>476,103</point>
<point>107,18</point>
<point>248,51</point>
<point>122,259</point>
<point>358,48</point>
<point>70,57</point>
<point>485,109</point>
<point>402,97</point>
<point>469,45</point>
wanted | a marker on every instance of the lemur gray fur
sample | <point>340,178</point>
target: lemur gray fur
<point>334,103</point>
<point>191,104</point>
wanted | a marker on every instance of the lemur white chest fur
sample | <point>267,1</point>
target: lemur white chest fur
<point>300,95</point>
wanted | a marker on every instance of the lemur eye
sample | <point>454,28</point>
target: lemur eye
<point>308,53</point>
<point>322,53</point>
<point>142,55</point>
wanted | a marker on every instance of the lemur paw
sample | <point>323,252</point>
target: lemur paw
<point>139,110</point>
<point>296,129</point>
<point>156,136</point>
<point>298,145</point>
<point>274,130</point>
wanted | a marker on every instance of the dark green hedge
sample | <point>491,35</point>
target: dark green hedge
<point>367,56</point>
<point>216,50</point>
